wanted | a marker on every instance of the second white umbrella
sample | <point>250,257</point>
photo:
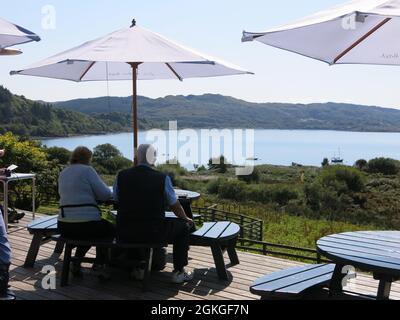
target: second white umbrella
<point>358,32</point>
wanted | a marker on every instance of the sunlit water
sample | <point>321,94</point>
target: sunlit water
<point>278,147</point>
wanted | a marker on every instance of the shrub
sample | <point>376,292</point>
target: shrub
<point>213,185</point>
<point>107,159</point>
<point>113,165</point>
<point>342,179</point>
<point>27,155</point>
<point>233,190</point>
<point>282,195</point>
<point>201,169</point>
<point>174,171</point>
<point>325,162</point>
<point>30,157</point>
<point>385,166</point>
<point>259,193</point>
<point>219,164</point>
<point>61,155</point>
<point>361,164</point>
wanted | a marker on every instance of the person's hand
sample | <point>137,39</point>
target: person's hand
<point>190,222</point>
<point>2,152</point>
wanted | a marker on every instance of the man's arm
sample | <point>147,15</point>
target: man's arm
<point>173,202</point>
<point>179,212</point>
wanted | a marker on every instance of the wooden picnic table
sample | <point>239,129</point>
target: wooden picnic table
<point>377,252</point>
<point>181,194</point>
<point>220,236</point>
<point>185,197</point>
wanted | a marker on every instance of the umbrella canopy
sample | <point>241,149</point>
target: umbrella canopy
<point>358,32</point>
<point>111,58</point>
<point>12,34</point>
<point>133,53</point>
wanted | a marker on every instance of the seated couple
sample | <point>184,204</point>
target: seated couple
<point>142,194</point>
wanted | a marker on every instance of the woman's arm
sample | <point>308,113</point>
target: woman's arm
<point>100,189</point>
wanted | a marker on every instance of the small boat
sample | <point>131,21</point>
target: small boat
<point>337,160</point>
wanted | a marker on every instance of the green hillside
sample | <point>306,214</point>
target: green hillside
<point>216,111</point>
<point>25,117</point>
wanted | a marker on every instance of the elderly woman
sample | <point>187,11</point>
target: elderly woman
<point>80,189</point>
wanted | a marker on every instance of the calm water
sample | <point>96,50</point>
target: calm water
<point>278,147</point>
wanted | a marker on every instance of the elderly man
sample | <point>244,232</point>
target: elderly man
<point>143,194</point>
<point>5,252</point>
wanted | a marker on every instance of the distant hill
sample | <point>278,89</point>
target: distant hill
<point>26,117</point>
<point>217,111</point>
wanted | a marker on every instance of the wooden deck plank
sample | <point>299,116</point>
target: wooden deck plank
<point>27,282</point>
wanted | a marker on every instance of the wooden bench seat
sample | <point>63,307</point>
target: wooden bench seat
<point>42,230</point>
<point>293,283</point>
<point>70,244</point>
<point>221,237</point>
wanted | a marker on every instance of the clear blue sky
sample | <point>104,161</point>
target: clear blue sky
<point>210,26</point>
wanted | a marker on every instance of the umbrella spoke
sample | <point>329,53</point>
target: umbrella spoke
<point>174,72</point>
<point>87,70</point>
<point>363,38</point>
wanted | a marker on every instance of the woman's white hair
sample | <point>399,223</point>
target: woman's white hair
<point>147,154</point>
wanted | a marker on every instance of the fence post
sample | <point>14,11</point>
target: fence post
<point>264,249</point>
<point>241,226</point>
<point>261,235</point>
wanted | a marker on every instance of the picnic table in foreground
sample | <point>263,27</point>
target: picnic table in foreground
<point>377,252</point>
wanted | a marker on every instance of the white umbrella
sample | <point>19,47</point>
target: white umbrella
<point>134,54</point>
<point>11,35</point>
<point>359,32</point>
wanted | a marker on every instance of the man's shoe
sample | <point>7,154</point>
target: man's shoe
<point>182,276</point>
<point>8,296</point>
<point>14,216</point>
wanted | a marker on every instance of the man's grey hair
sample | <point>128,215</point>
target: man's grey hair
<point>147,154</point>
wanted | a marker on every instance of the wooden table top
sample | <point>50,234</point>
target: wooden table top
<point>373,251</point>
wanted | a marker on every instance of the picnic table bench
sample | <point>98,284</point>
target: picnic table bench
<point>220,236</point>
<point>293,283</point>
<point>103,243</point>
<point>42,230</point>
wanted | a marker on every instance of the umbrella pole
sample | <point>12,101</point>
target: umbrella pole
<point>135,112</point>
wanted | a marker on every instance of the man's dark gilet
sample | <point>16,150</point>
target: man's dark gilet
<point>141,213</point>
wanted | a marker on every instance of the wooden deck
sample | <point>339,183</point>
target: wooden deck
<point>27,283</point>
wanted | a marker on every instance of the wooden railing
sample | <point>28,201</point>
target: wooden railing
<point>279,250</point>
<point>252,233</point>
<point>250,228</point>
